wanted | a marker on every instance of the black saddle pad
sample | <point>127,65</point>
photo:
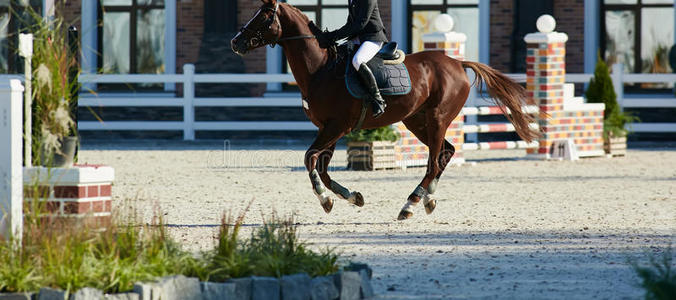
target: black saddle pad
<point>391,79</point>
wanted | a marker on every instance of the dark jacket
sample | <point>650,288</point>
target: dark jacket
<point>363,21</point>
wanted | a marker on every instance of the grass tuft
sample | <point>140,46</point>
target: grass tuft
<point>658,278</point>
<point>112,256</point>
<point>274,249</point>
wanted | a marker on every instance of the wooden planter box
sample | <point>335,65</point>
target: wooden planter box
<point>369,156</point>
<point>615,146</point>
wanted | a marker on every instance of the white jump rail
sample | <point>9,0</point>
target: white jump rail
<point>189,102</point>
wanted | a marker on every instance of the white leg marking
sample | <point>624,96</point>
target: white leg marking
<point>408,207</point>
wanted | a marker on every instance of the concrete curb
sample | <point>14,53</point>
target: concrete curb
<point>352,283</point>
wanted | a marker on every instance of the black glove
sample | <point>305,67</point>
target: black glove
<point>327,40</point>
<point>324,38</point>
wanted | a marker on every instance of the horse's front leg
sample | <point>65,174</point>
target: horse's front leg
<point>325,138</point>
<point>344,193</point>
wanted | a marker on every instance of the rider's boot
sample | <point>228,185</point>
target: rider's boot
<point>369,82</point>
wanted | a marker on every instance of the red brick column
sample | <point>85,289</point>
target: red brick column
<point>80,191</point>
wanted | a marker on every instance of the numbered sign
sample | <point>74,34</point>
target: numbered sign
<point>564,150</point>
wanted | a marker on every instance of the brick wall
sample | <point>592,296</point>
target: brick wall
<point>71,11</point>
<point>254,60</point>
<point>501,27</point>
<point>385,7</point>
<point>569,15</point>
<point>189,30</point>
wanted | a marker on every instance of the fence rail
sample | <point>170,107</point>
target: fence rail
<point>189,101</point>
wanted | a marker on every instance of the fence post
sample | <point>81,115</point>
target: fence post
<point>11,171</point>
<point>73,73</point>
<point>618,85</point>
<point>188,102</point>
<point>26,50</point>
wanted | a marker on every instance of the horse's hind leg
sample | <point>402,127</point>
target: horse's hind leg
<point>353,197</point>
<point>445,157</point>
<point>431,132</point>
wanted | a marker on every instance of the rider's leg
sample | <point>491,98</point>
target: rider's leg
<point>366,52</point>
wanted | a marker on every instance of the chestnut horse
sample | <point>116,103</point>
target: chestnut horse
<point>440,89</point>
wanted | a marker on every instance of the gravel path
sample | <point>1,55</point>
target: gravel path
<point>503,228</point>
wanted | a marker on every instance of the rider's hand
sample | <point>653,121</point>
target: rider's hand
<point>324,38</point>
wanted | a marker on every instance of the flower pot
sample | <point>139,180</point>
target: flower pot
<point>369,156</point>
<point>63,158</point>
<point>615,146</point>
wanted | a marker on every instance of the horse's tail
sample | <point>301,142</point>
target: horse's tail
<point>505,92</point>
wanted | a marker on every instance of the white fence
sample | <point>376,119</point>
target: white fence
<point>189,102</point>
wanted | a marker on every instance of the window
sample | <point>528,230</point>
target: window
<point>131,36</point>
<point>465,15</point>
<point>12,15</point>
<point>331,14</point>
<point>638,34</point>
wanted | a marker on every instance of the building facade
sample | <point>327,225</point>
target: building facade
<point>160,36</point>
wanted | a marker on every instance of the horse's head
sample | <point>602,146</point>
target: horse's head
<point>263,29</point>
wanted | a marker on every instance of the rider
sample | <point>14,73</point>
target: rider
<point>365,28</point>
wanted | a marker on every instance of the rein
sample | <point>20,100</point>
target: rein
<point>299,37</point>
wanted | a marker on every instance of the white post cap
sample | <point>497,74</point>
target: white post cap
<point>444,23</point>
<point>26,44</point>
<point>546,25</point>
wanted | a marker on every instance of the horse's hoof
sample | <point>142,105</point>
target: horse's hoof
<point>358,199</point>
<point>430,206</point>
<point>327,205</point>
<point>403,215</point>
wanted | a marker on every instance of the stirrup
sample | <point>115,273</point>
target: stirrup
<point>378,108</point>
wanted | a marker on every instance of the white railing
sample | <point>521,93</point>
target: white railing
<point>189,102</point>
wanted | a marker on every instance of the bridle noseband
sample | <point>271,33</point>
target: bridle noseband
<point>259,40</point>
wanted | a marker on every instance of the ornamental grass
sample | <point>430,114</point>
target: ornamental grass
<point>112,256</point>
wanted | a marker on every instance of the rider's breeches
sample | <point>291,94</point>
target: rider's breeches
<point>366,51</point>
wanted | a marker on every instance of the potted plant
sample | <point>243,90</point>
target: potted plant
<point>372,149</point>
<point>54,93</point>
<point>614,125</point>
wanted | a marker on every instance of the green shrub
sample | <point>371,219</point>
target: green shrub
<point>601,91</point>
<point>658,278</point>
<point>386,133</point>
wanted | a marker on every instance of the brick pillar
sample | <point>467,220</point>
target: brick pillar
<point>546,73</point>
<point>452,44</point>
<point>410,151</point>
<point>446,40</point>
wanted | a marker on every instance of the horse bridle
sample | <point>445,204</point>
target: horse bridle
<point>259,40</point>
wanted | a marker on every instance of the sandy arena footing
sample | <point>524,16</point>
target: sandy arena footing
<point>503,228</point>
